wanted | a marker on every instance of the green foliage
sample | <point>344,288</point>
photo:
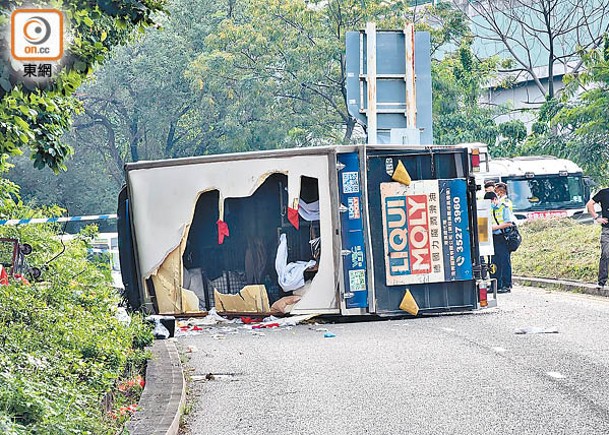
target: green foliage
<point>276,57</point>
<point>513,134</point>
<point>35,114</point>
<point>447,25</point>
<point>458,81</point>
<point>63,348</point>
<point>575,126</point>
<point>9,191</point>
<point>288,58</point>
<point>86,188</point>
<point>558,249</point>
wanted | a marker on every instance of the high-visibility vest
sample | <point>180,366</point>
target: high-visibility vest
<point>498,213</point>
<point>507,202</point>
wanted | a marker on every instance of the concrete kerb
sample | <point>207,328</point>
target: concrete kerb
<point>164,395</point>
<point>572,286</point>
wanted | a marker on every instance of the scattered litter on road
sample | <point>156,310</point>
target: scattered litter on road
<point>266,325</point>
<point>122,316</point>
<point>535,330</point>
<point>218,336</point>
<point>192,349</point>
<point>213,318</point>
<point>247,320</point>
<point>329,335</point>
<point>321,329</point>
<point>258,333</point>
<point>160,331</point>
<point>211,377</point>
<point>270,319</point>
<point>216,325</point>
<point>225,330</point>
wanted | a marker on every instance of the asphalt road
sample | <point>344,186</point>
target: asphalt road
<point>452,374</point>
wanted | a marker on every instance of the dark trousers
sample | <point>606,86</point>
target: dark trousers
<point>603,264</point>
<point>502,262</point>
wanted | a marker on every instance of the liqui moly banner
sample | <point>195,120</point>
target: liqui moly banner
<point>426,232</point>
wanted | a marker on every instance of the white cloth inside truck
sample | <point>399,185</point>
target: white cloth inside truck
<point>289,275</point>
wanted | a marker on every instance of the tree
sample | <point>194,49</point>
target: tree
<point>137,105</point>
<point>457,81</point>
<point>540,35</point>
<point>86,188</point>
<point>142,106</point>
<point>578,126</point>
<point>513,135</point>
<point>35,114</point>
<point>291,56</point>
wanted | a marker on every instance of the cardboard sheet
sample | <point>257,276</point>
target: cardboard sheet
<point>251,299</point>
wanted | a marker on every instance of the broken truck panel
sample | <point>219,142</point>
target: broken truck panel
<point>178,206</point>
<point>353,239</point>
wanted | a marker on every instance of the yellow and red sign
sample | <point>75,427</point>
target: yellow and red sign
<point>426,232</point>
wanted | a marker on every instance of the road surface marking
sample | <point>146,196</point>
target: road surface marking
<point>556,375</point>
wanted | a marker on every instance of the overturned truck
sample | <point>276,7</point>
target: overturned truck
<point>346,230</point>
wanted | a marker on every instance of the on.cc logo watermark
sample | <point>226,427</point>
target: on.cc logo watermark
<point>37,34</point>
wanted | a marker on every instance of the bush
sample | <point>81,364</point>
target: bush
<point>63,349</point>
<point>558,249</point>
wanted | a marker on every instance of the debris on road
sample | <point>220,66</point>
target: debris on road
<point>218,327</point>
<point>161,324</point>
<point>535,330</point>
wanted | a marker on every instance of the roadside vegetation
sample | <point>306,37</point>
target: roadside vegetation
<point>68,365</point>
<point>558,249</point>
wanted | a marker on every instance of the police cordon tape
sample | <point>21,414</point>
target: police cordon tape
<point>100,217</point>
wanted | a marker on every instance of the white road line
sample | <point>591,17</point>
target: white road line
<point>499,349</point>
<point>556,375</point>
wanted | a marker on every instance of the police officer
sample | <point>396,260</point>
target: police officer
<point>602,197</point>
<point>502,217</point>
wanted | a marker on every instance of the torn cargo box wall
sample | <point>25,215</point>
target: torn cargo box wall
<point>236,211</point>
<point>247,256</point>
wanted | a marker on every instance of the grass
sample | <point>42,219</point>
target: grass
<point>558,249</point>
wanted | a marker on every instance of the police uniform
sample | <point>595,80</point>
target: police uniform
<point>502,260</point>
